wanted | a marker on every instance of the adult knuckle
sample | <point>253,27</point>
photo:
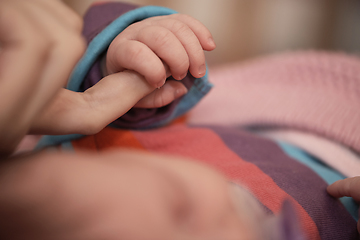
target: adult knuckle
<point>42,44</point>
<point>78,46</point>
<point>72,46</point>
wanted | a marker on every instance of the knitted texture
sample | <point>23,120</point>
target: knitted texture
<point>311,91</point>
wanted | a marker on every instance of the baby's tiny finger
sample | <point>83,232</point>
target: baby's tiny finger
<point>136,56</point>
<point>191,44</point>
<point>202,33</point>
<point>167,47</point>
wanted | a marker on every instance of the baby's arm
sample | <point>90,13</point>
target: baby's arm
<point>349,187</point>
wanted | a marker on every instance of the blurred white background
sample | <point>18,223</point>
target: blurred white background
<point>244,29</point>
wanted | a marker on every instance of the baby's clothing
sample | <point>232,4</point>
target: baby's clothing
<point>272,171</point>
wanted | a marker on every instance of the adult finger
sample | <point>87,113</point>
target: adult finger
<point>163,96</point>
<point>89,112</point>
<point>349,187</point>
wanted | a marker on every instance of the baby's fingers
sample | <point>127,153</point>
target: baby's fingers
<point>166,45</point>
<point>349,187</point>
<point>191,42</point>
<point>136,56</point>
<point>194,37</point>
<point>163,96</point>
<point>202,33</point>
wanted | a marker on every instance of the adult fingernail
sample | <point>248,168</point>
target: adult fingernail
<point>202,70</point>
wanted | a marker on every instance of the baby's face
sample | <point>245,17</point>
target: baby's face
<point>129,195</point>
<point>172,198</point>
<point>164,197</point>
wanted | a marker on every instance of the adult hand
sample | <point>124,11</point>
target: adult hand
<point>349,187</point>
<point>40,42</point>
<point>89,112</point>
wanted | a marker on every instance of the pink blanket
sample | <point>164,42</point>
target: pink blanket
<point>317,93</point>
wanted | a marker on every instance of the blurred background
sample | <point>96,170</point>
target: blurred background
<point>244,29</point>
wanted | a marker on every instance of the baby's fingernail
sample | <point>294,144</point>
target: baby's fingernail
<point>183,76</point>
<point>180,92</point>
<point>161,84</point>
<point>202,70</point>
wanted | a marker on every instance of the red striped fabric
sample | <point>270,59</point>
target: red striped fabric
<point>209,149</point>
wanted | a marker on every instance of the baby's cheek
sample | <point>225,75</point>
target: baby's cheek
<point>215,217</point>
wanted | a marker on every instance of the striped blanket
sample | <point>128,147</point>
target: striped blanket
<point>260,164</point>
<point>272,171</point>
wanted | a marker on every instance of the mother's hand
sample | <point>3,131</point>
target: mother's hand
<point>349,187</point>
<point>40,43</point>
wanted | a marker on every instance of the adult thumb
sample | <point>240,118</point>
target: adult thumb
<point>114,95</point>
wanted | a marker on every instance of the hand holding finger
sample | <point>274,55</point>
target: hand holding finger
<point>349,187</point>
<point>89,112</point>
<point>163,96</point>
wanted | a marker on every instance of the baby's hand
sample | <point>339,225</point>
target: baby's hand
<point>142,57</point>
<point>149,46</point>
<point>158,47</point>
<point>349,187</point>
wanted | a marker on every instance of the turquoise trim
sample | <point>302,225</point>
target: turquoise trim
<point>47,140</point>
<point>67,146</point>
<point>328,174</point>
